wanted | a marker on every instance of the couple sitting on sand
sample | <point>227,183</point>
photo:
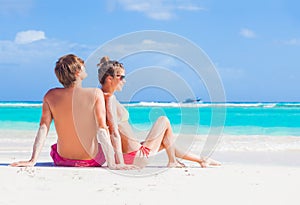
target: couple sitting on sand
<point>92,126</point>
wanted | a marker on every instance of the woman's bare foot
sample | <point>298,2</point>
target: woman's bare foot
<point>212,162</point>
<point>182,164</point>
<point>203,163</point>
<point>176,164</point>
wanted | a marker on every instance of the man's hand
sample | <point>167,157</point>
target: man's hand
<point>23,164</point>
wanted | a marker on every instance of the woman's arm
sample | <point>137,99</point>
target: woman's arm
<point>103,135</point>
<point>112,121</point>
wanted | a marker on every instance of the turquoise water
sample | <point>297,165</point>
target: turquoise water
<point>239,118</point>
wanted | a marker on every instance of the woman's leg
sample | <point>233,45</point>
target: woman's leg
<point>161,135</point>
<point>204,162</point>
<point>190,157</point>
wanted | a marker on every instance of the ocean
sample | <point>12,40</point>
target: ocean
<point>274,119</point>
<point>241,127</point>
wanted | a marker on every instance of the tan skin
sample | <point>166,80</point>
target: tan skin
<point>160,136</point>
<point>76,127</point>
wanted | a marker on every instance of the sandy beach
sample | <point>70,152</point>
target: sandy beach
<point>245,177</point>
<point>229,184</point>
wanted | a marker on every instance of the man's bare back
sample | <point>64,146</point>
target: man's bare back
<point>73,113</point>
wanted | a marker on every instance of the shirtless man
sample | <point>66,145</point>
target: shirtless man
<point>80,121</point>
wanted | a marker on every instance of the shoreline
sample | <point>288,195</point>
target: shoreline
<point>280,150</point>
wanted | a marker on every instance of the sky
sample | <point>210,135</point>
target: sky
<point>254,45</point>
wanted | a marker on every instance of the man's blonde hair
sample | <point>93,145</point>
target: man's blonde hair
<point>66,68</point>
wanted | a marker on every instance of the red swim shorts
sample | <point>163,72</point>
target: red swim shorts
<point>58,160</point>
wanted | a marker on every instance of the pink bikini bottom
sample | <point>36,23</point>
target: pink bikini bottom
<point>129,157</point>
<point>58,160</point>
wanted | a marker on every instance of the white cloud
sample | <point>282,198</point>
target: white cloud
<point>123,48</point>
<point>190,8</point>
<point>247,33</point>
<point>163,15</point>
<point>12,7</point>
<point>293,42</point>
<point>40,51</point>
<point>136,6</point>
<point>29,36</point>
<point>156,9</point>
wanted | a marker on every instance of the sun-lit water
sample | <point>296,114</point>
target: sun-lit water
<point>239,118</point>
<point>241,126</point>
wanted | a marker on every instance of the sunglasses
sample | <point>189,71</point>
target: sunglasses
<point>121,77</point>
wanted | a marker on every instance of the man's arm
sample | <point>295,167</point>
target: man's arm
<point>40,137</point>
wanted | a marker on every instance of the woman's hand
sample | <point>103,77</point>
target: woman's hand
<point>123,167</point>
<point>107,95</point>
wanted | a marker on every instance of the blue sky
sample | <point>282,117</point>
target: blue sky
<point>254,45</point>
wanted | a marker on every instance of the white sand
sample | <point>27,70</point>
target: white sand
<point>246,177</point>
<point>229,184</point>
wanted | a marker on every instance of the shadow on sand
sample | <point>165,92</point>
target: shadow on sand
<point>39,164</point>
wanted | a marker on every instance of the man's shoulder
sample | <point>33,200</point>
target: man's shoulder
<point>92,89</point>
<point>97,91</point>
<point>91,93</point>
<point>53,91</point>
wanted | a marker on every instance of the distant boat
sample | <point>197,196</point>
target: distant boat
<point>190,100</point>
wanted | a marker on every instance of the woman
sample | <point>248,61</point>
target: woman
<point>111,75</point>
